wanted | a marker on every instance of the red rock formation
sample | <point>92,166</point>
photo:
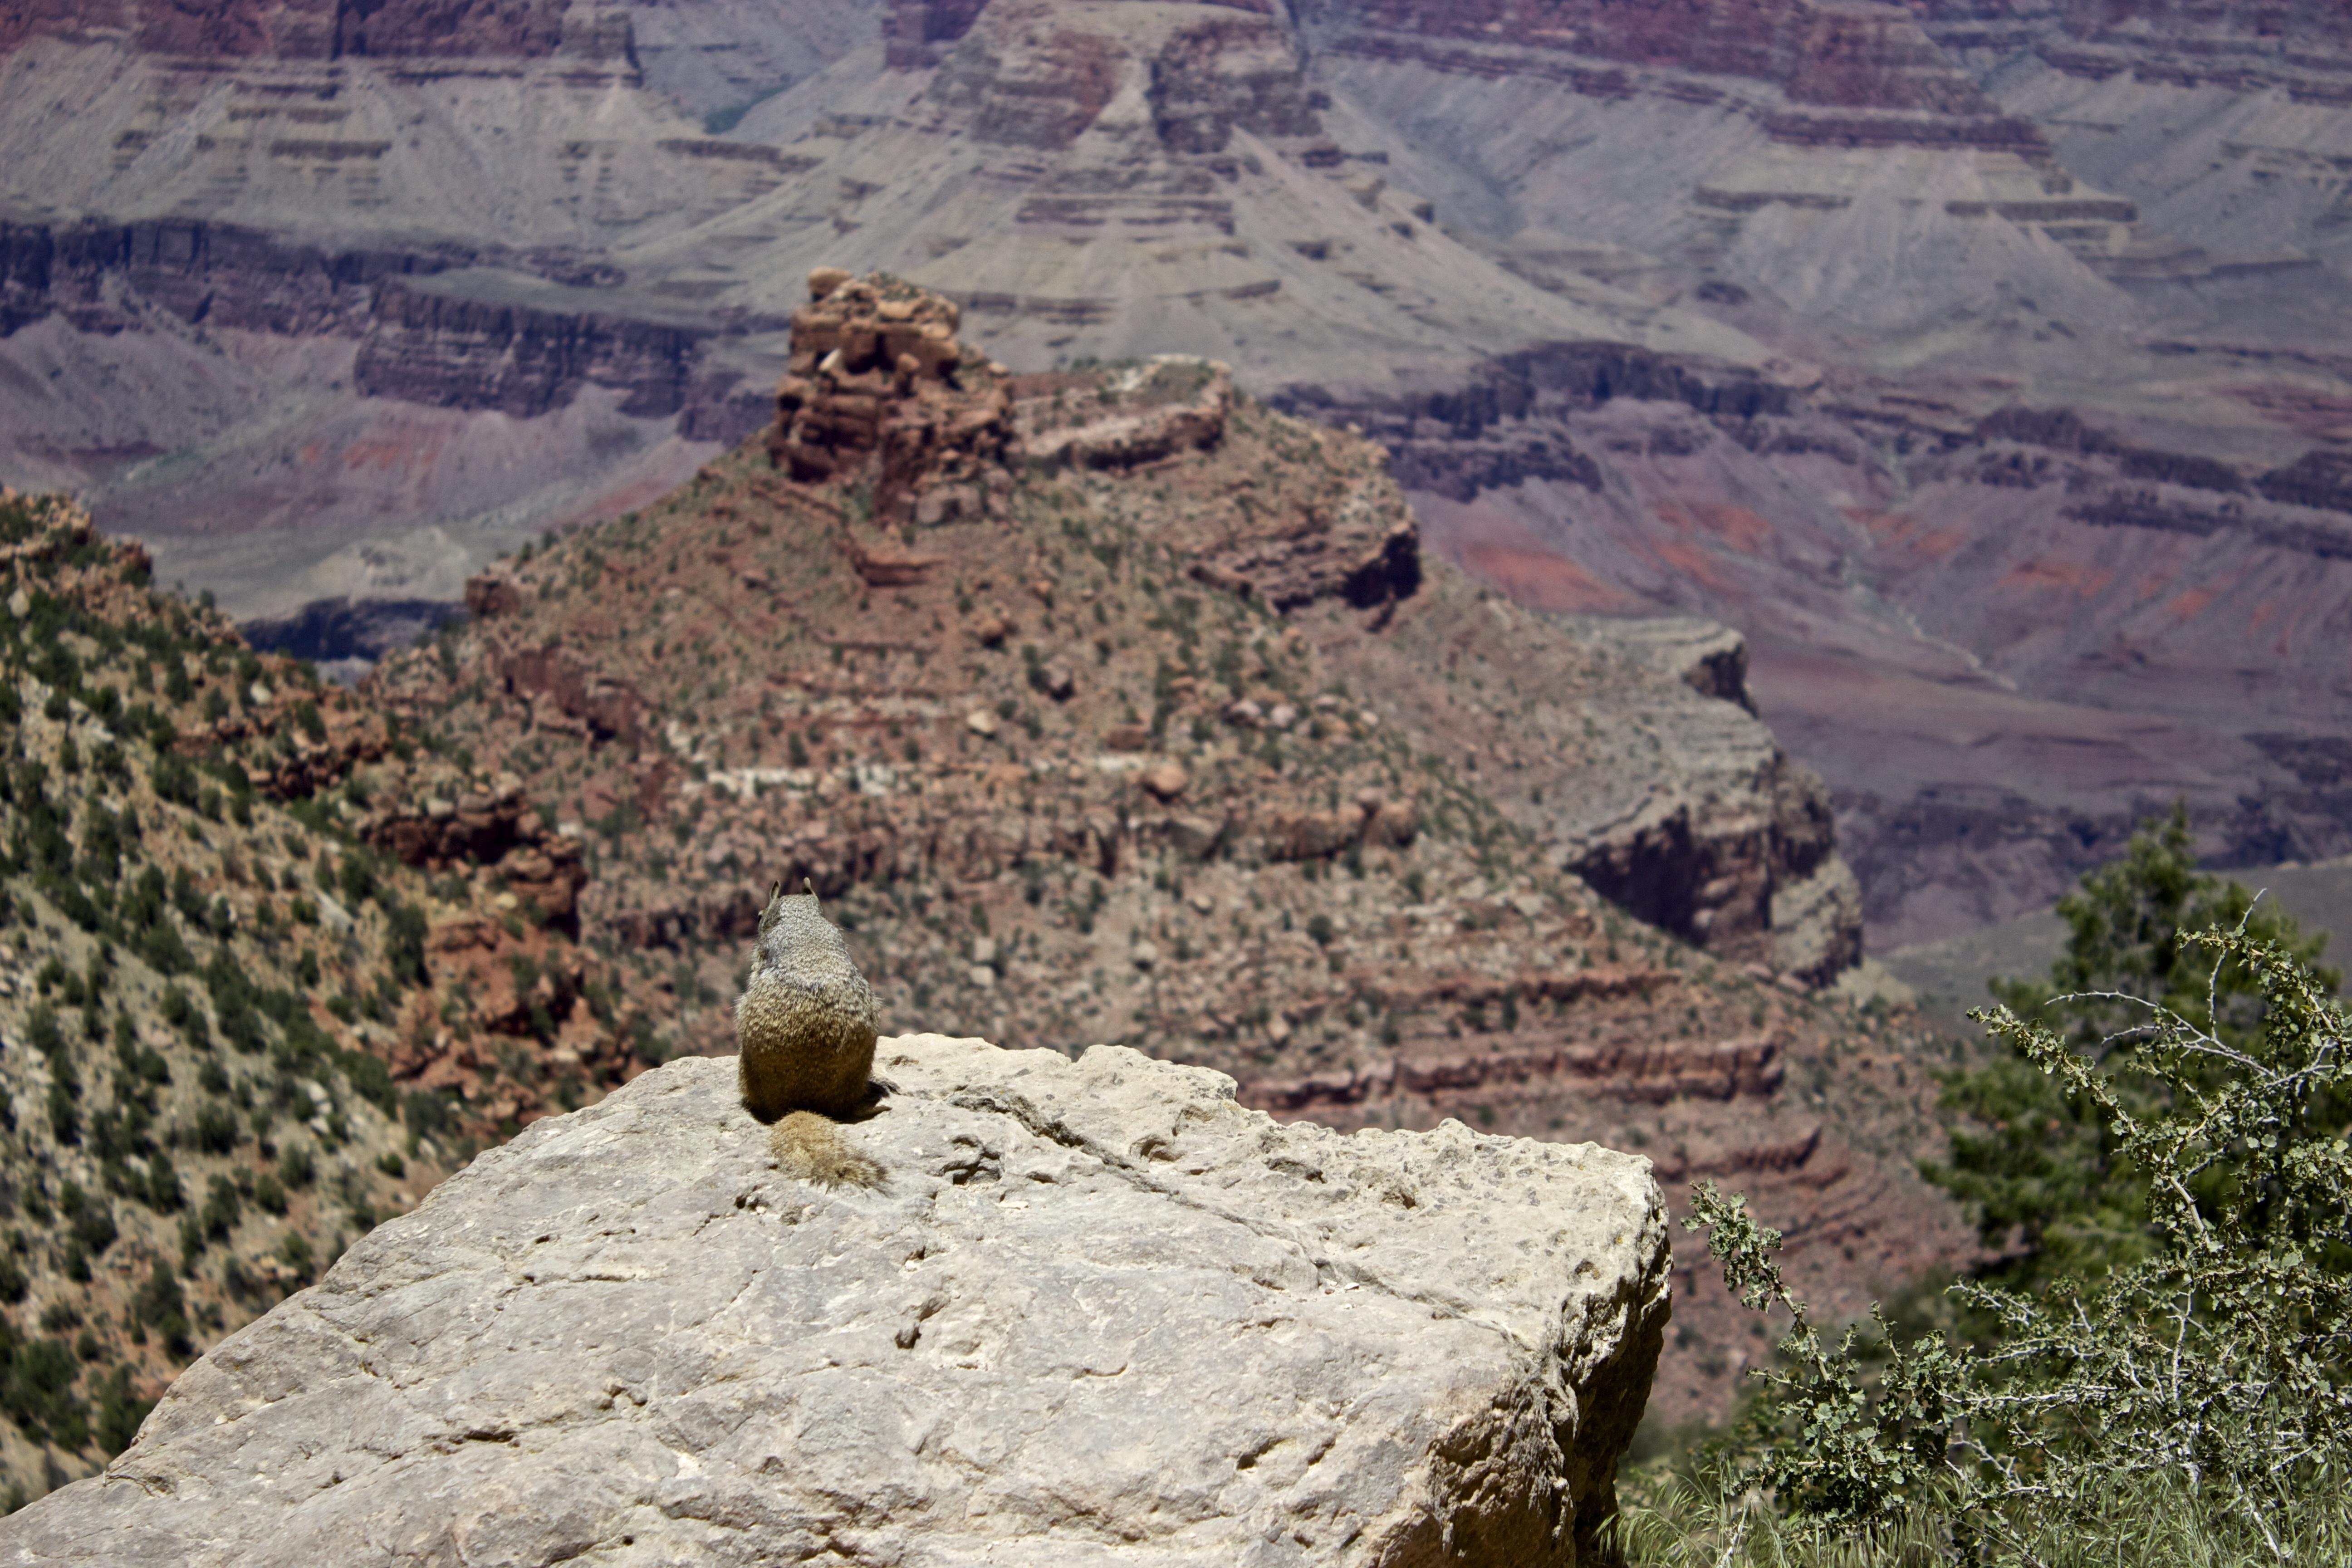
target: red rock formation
<point>879,385</point>
<point>1649,1074</point>
<point>496,826</point>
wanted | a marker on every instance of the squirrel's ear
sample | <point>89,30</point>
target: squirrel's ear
<point>810,886</point>
<point>775,892</point>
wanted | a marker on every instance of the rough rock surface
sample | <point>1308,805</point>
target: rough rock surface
<point>879,377</point>
<point>1142,412</point>
<point>1101,1312</point>
<point>1742,855</point>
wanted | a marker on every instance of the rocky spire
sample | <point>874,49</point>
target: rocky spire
<point>880,388</point>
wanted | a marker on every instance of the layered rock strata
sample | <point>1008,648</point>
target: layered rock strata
<point>1738,854</point>
<point>1100,1311</point>
<point>878,380</point>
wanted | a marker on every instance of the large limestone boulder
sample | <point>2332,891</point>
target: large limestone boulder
<point>1100,1314</point>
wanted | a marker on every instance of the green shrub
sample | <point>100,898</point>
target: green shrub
<point>370,1079</point>
<point>2036,1160</point>
<point>159,1305</point>
<point>222,1209</point>
<point>295,1252</point>
<point>214,1130</point>
<point>92,1221</point>
<point>37,1380</point>
<point>2216,1362</point>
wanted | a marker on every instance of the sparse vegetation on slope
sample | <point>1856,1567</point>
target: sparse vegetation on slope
<point>213,964</point>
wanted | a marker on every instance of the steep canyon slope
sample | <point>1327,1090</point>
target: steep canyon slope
<point>251,1001</point>
<point>2046,538</point>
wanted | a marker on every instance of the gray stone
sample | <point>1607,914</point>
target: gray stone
<point>1100,1314</point>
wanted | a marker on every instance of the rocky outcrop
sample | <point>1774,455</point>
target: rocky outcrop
<point>1505,421</point>
<point>1031,76</point>
<point>2242,45</point>
<point>879,382</point>
<point>1099,1313</point>
<point>490,349</point>
<point>1143,413</point>
<point>1723,1069</point>
<point>494,826</point>
<point>1754,876</point>
<point>1364,551</point>
<point>328,630</point>
<point>1663,791</point>
<point>1711,660</point>
<point>221,274</point>
<point>1354,542</point>
<point>913,30</point>
<point>1742,859</point>
<point>1877,65</point>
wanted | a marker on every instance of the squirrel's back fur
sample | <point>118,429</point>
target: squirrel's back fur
<point>804,1027</point>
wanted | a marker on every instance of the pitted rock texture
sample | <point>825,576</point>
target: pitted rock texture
<point>1101,1314</point>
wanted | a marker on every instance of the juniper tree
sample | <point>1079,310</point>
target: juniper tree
<point>2031,1157</point>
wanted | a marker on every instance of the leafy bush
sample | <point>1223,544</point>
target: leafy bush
<point>221,1208</point>
<point>296,1167</point>
<point>214,1130</point>
<point>2036,1159</point>
<point>1709,1518</point>
<point>295,1252</point>
<point>92,1221</point>
<point>370,1079</point>
<point>160,1305</point>
<point>2215,1360</point>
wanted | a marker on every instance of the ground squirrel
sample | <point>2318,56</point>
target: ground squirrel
<point>805,1026</point>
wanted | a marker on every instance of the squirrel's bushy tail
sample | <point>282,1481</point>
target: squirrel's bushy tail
<point>812,1147</point>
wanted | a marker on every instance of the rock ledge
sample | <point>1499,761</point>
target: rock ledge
<point>1101,1312</point>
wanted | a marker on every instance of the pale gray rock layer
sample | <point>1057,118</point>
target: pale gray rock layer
<point>1100,1314</point>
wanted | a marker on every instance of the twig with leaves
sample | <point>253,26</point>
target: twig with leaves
<point>2221,1360</point>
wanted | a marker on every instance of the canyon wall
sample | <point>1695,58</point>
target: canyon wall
<point>314,29</point>
<point>1975,360</point>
